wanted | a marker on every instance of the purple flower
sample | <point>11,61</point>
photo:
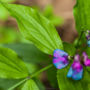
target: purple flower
<point>59,53</point>
<point>76,69</point>
<point>60,59</point>
<point>86,59</point>
<point>75,72</point>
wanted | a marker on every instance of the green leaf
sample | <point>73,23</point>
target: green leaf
<point>32,68</point>
<point>88,51</point>
<point>3,13</point>
<point>51,74</point>
<point>30,85</point>
<point>69,48</point>
<point>35,28</point>
<point>69,84</point>
<point>8,1</point>
<point>8,35</point>
<point>7,83</point>
<point>88,69</point>
<point>39,84</point>
<point>11,66</point>
<point>82,15</point>
<point>29,53</point>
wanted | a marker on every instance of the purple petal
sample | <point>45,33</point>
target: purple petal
<point>85,56</point>
<point>60,59</point>
<point>70,73</point>
<point>60,62</point>
<point>76,69</point>
<point>88,37</point>
<point>59,53</point>
<point>77,66</point>
<point>77,75</point>
<point>60,65</point>
<point>86,59</point>
<point>87,62</point>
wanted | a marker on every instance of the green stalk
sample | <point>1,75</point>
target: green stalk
<point>42,70</point>
<point>33,75</point>
<point>79,39</point>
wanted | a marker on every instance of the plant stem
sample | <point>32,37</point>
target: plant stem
<point>16,85</point>
<point>33,75</point>
<point>44,69</point>
<point>79,39</point>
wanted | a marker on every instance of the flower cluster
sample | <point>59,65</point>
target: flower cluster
<point>75,72</point>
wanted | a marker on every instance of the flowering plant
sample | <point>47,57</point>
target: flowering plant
<point>72,61</point>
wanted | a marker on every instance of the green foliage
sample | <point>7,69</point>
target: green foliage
<point>88,51</point>
<point>51,74</point>
<point>36,28</point>
<point>8,1</point>
<point>48,13</point>
<point>29,53</point>
<point>69,84</point>
<point>32,85</point>
<point>42,33</point>
<point>69,48</point>
<point>11,66</point>
<point>9,35</point>
<point>82,15</point>
<point>40,85</point>
<point>32,68</point>
<point>7,83</point>
<point>3,12</point>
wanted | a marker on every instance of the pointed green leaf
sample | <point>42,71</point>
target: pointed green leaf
<point>82,15</point>
<point>30,85</point>
<point>11,66</point>
<point>69,84</point>
<point>36,28</point>
<point>39,84</point>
